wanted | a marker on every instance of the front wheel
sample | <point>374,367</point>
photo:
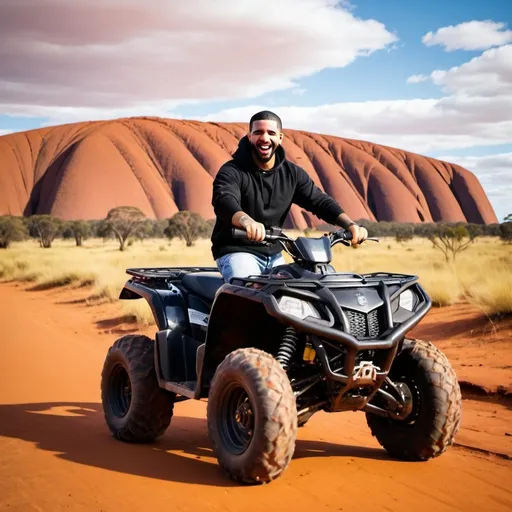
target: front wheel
<point>252,416</point>
<point>434,418</point>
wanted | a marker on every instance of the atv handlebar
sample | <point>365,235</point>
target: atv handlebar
<point>345,237</point>
<point>276,234</point>
<point>270,235</point>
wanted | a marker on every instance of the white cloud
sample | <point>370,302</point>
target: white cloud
<point>415,125</point>
<point>489,74</point>
<point>472,35</point>
<point>5,132</point>
<point>125,51</point>
<point>416,79</point>
<point>477,111</point>
<point>61,115</point>
<point>130,58</point>
<point>495,174</point>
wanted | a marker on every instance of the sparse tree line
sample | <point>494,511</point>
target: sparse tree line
<point>126,223</point>
<point>407,231</point>
<point>451,238</point>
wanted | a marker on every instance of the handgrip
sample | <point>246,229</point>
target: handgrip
<point>239,233</point>
<point>347,236</point>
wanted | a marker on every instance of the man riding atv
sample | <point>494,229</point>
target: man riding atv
<point>255,190</point>
<point>270,349</point>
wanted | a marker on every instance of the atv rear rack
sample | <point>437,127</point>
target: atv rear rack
<point>166,273</point>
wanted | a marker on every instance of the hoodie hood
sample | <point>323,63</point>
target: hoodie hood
<point>243,156</point>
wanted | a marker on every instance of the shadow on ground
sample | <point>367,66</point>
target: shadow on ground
<point>78,433</point>
<point>120,325</point>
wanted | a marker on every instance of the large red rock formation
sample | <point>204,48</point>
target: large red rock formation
<point>81,170</point>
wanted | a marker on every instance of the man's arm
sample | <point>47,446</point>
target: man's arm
<point>226,201</point>
<point>226,196</point>
<point>310,197</point>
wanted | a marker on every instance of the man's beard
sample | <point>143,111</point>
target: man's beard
<point>257,154</point>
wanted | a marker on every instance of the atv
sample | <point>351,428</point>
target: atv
<point>269,351</point>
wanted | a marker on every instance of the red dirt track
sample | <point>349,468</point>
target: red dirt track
<point>56,452</point>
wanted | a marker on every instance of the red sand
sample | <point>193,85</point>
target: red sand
<point>81,170</point>
<point>479,349</point>
<point>56,451</point>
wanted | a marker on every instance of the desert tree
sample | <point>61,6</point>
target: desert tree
<point>123,221</point>
<point>451,240</point>
<point>475,230</point>
<point>425,229</point>
<point>403,232</point>
<point>103,230</point>
<point>45,227</point>
<point>80,230</point>
<point>158,228</point>
<point>188,226</point>
<point>506,229</point>
<point>96,226</point>
<point>151,229</point>
<point>12,229</point>
<point>491,229</point>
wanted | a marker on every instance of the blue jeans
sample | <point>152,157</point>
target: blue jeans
<point>243,264</point>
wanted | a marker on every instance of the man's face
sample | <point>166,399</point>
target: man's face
<point>265,137</point>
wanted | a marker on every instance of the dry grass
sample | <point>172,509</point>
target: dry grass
<point>481,275</point>
<point>489,284</point>
<point>97,264</point>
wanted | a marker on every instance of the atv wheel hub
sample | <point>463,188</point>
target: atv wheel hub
<point>244,416</point>
<point>120,392</point>
<point>406,400</point>
<point>236,419</point>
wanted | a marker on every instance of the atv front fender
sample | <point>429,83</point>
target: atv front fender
<point>239,319</point>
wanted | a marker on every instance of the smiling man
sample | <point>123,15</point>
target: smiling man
<point>254,191</point>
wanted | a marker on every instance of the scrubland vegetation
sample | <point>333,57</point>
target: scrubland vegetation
<point>96,258</point>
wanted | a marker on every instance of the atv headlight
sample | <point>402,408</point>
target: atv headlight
<point>407,300</point>
<point>297,307</point>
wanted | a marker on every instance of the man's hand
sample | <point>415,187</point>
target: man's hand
<point>255,230</point>
<point>359,234</point>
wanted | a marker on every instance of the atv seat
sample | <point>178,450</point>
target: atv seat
<point>204,284</point>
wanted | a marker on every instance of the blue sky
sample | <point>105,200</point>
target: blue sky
<point>338,69</point>
<point>410,21</point>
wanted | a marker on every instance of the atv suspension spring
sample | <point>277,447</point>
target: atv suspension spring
<point>287,348</point>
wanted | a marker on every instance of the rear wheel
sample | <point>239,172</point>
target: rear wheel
<point>136,409</point>
<point>252,416</point>
<point>435,411</point>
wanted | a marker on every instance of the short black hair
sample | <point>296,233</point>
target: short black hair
<point>266,115</point>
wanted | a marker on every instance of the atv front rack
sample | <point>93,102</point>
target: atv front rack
<point>166,273</point>
<point>334,280</point>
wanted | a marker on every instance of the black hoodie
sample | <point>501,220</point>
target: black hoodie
<point>266,196</point>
